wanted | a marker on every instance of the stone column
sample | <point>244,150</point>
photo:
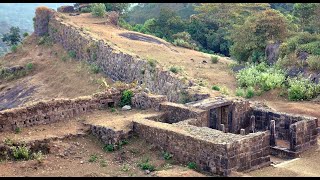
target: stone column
<point>222,128</point>
<point>292,137</point>
<point>242,131</point>
<point>272,133</point>
<point>252,123</point>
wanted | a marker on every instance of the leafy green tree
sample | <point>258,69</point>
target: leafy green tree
<point>251,38</point>
<point>122,8</point>
<point>304,11</point>
<point>98,9</point>
<point>13,37</point>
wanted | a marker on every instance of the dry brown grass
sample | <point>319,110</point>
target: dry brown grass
<point>53,77</point>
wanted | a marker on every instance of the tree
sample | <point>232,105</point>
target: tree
<point>251,38</point>
<point>121,8</point>
<point>13,37</point>
<point>98,9</point>
<point>304,11</point>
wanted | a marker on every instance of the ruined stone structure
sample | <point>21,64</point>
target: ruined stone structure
<point>114,63</point>
<point>219,134</point>
<point>55,110</point>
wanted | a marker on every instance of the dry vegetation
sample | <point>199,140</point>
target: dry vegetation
<point>55,74</point>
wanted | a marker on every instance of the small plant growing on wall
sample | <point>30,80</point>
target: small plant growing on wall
<point>192,165</point>
<point>126,98</point>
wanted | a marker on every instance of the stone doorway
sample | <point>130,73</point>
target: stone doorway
<point>220,118</point>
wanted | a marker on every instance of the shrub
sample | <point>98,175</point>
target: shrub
<point>29,66</point>
<point>14,48</point>
<point>103,163</point>
<point>98,9</point>
<point>250,92</point>
<point>175,69</point>
<point>93,158</point>
<point>126,98</point>
<point>95,68</point>
<point>224,90</point>
<point>311,48</point>
<point>109,148</point>
<point>192,165</point>
<point>314,62</point>
<point>216,87</point>
<point>145,165</point>
<point>183,43</point>
<point>86,10</point>
<point>300,88</point>
<point>38,156</point>
<point>214,59</point>
<point>167,155</point>
<point>240,92</point>
<point>152,63</point>
<point>20,152</point>
<point>72,54</point>
<point>262,76</point>
<point>25,34</point>
<point>45,40</point>
<point>18,130</point>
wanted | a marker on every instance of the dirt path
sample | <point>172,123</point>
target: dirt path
<point>305,166</point>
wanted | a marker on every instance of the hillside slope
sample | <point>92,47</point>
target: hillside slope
<point>54,75</point>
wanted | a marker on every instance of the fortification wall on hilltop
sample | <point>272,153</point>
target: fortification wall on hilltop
<point>55,110</point>
<point>117,65</point>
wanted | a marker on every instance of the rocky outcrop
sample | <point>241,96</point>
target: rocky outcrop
<point>272,52</point>
<point>66,9</point>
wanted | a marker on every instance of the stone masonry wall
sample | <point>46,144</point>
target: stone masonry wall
<point>145,101</point>
<point>114,63</point>
<point>55,110</point>
<point>212,150</point>
<point>300,131</point>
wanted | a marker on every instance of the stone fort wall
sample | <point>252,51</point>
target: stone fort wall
<point>55,110</point>
<point>114,63</point>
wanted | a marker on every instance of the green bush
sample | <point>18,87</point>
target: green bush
<point>175,69</point>
<point>98,9</point>
<point>167,155</point>
<point>20,152</point>
<point>109,148</point>
<point>93,158</point>
<point>86,10</point>
<point>261,76</point>
<point>95,68</point>
<point>18,130</point>
<point>45,40</point>
<point>215,87</point>
<point>126,98</point>
<point>214,59</point>
<point>300,88</point>
<point>249,92</point>
<point>14,48</point>
<point>183,43</point>
<point>192,165</point>
<point>145,165</point>
<point>29,66</point>
<point>25,34</point>
<point>72,54</point>
<point>314,62</point>
<point>240,92</point>
<point>311,48</point>
<point>152,63</point>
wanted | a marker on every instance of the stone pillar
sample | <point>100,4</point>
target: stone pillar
<point>41,21</point>
<point>292,137</point>
<point>272,133</point>
<point>242,131</point>
<point>253,123</point>
<point>222,128</point>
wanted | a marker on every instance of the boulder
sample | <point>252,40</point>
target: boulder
<point>272,52</point>
<point>66,9</point>
<point>126,108</point>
